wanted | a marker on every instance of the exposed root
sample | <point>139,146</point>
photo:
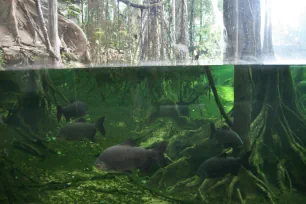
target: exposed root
<point>240,196</point>
<point>205,190</point>
<point>259,182</point>
<point>231,188</point>
<point>250,185</point>
<point>283,176</point>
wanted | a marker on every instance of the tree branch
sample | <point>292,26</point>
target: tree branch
<point>142,6</point>
<point>212,85</point>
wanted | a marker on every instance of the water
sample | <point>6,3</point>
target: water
<point>151,105</point>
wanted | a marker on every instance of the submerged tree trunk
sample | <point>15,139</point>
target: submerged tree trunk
<point>242,103</point>
<point>277,128</point>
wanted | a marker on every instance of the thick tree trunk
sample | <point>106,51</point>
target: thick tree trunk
<point>242,103</point>
<point>241,15</point>
<point>278,129</point>
<point>230,18</point>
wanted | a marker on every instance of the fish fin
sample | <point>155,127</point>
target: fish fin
<point>59,113</point>
<point>92,137</point>
<point>223,155</point>
<point>244,159</point>
<point>100,125</point>
<point>212,130</point>
<point>160,150</point>
<point>80,120</point>
<point>129,142</point>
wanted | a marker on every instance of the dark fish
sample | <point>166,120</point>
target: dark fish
<point>81,130</point>
<point>221,165</point>
<point>126,157</point>
<point>226,136</point>
<point>72,110</point>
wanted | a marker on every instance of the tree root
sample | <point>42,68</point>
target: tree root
<point>239,188</point>
<point>282,174</point>
<point>14,22</point>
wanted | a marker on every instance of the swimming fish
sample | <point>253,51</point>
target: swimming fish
<point>226,136</point>
<point>222,164</point>
<point>81,130</point>
<point>72,110</point>
<point>126,157</point>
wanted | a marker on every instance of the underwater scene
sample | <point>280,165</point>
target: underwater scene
<point>153,135</point>
<point>152,102</point>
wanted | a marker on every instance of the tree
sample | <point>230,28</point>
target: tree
<point>53,31</point>
<point>268,120</point>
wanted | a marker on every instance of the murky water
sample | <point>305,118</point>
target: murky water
<point>149,106</point>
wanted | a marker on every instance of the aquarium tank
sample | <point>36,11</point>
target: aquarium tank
<point>152,102</point>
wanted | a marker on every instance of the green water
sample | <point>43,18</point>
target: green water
<point>36,167</point>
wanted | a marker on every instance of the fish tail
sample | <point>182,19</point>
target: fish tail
<point>160,150</point>
<point>59,112</point>
<point>100,125</point>
<point>212,130</point>
<point>244,159</point>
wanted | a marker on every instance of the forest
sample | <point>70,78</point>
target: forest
<point>147,75</point>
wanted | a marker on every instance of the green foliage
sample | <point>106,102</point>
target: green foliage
<point>2,60</point>
<point>210,42</point>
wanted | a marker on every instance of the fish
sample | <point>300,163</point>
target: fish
<point>126,157</point>
<point>81,130</point>
<point>219,166</point>
<point>73,110</point>
<point>226,136</point>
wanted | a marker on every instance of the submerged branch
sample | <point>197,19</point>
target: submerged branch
<point>217,99</point>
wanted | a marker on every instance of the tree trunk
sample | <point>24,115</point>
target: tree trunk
<point>268,51</point>
<point>191,24</point>
<point>53,31</point>
<point>174,21</point>
<point>242,103</point>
